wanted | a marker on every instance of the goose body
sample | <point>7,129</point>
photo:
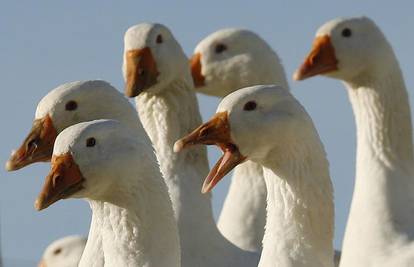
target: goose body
<point>225,61</point>
<point>380,228</point>
<point>64,252</point>
<point>300,215</point>
<point>156,73</point>
<point>104,162</point>
<point>67,105</point>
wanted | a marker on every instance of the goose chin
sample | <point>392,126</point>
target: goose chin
<point>214,132</point>
<point>230,159</point>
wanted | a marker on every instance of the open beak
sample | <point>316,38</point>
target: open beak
<point>214,132</point>
<point>195,64</point>
<point>63,180</point>
<point>38,145</point>
<point>141,71</point>
<point>320,60</point>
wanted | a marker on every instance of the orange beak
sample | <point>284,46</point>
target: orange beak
<point>214,132</point>
<point>63,180</point>
<point>195,64</point>
<point>320,60</point>
<point>141,71</point>
<point>37,147</point>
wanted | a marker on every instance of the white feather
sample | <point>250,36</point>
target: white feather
<point>248,60</point>
<point>300,210</point>
<point>168,111</point>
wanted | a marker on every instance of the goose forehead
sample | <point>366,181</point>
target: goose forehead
<point>241,37</point>
<point>69,137</point>
<point>54,97</point>
<point>231,100</point>
<point>137,36</point>
<point>265,93</point>
<point>330,26</point>
<point>210,39</point>
<point>74,91</point>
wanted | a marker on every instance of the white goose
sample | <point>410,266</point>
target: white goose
<point>108,164</point>
<point>380,229</point>
<point>266,124</point>
<point>66,105</point>
<point>64,252</point>
<point>156,71</point>
<point>225,61</point>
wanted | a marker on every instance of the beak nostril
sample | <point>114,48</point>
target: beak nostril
<point>204,132</point>
<point>55,178</point>
<point>32,144</point>
<point>141,72</point>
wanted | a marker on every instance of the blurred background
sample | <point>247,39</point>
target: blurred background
<point>46,43</point>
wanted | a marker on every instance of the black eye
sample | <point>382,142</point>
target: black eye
<point>71,105</point>
<point>220,48</point>
<point>57,251</point>
<point>159,39</point>
<point>90,142</point>
<point>346,32</point>
<point>251,105</point>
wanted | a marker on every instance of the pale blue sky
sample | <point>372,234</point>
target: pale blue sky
<point>47,43</point>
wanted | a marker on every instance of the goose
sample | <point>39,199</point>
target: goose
<point>225,61</point>
<point>157,74</point>
<point>68,104</point>
<point>64,106</point>
<point>64,252</point>
<point>106,162</point>
<point>267,125</point>
<point>380,227</point>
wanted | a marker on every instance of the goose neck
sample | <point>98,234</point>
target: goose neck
<point>300,211</point>
<point>383,118</point>
<point>167,116</point>
<point>379,216</point>
<point>93,253</point>
<point>137,224</point>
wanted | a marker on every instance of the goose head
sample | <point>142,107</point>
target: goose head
<point>258,123</point>
<point>152,59</point>
<point>232,58</point>
<point>64,252</point>
<point>345,49</point>
<point>92,160</point>
<point>64,106</point>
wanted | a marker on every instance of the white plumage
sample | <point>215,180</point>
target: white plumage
<point>94,99</point>
<point>227,60</point>
<point>64,252</point>
<point>145,214</point>
<point>121,180</point>
<point>156,71</point>
<point>380,228</point>
<point>267,125</point>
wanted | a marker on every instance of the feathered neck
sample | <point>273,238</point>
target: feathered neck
<point>382,114</point>
<point>379,216</point>
<point>300,210</point>
<point>93,254</point>
<point>137,223</point>
<point>167,116</point>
